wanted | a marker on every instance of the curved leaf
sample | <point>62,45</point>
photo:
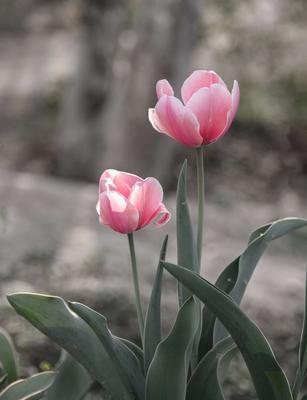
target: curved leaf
<point>152,331</point>
<point>7,357</point>
<point>167,374</point>
<point>205,382</point>
<point>235,278</point>
<point>123,359</point>
<point>52,316</point>
<point>269,379</point>
<point>70,371</point>
<point>27,388</point>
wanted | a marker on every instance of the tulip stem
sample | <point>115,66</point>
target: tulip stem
<point>201,199</point>
<point>136,285</point>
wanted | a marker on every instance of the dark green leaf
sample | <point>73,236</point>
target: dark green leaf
<point>204,383</point>
<point>269,379</point>
<point>152,331</point>
<point>167,374</point>
<point>28,388</point>
<point>3,382</point>
<point>7,357</point>
<point>70,371</point>
<point>186,248</point>
<point>52,316</point>
<point>123,359</point>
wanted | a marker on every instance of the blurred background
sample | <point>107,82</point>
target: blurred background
<point>76,80</point>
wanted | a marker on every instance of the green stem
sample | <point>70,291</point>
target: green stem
<point>201,199</point>
<point>136,285</point>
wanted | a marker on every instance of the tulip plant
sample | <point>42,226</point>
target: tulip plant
<point>191,362</point>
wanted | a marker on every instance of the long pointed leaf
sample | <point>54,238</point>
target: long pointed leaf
<point>123,359</point>
<point>204,383</point>
<point>186,248</point>
<point>28,388</point>
<point>70,371</point>
<point>269,379</point>
<point>52,316</point>
<point>7,357</point>
<point>152,331</point>
<point>167,374</point>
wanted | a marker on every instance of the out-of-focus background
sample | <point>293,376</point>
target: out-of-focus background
<point>76,80</point>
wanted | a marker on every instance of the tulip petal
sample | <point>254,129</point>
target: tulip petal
<point>235,99</point>
<point>164,87</point>
<point>162,215</point>
<point>117,212</point>
<point>199,104</point>
<point>154,120</point>
<point>146,197</point>
<point>121,181</point>
<point>199,79</point>
<point>175,120</point>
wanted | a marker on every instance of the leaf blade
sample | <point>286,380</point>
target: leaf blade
<point>167,374</point>
<point>152,331</point>
<point>52,316</point>
<point>7,356</point>
<point>27,388</point>
<point>269,379</point>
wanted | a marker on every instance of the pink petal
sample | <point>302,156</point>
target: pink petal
<point>163,87</point>
<point>146,197</point>
<point>121,181</point>
<point>199,79</point>
<point>177,121</point>
<point>199,104</point>
<point>117,212</point>
<point>220,103</point>
<point>235,99</point>
<point>154,120</point>
<point>162,215</point>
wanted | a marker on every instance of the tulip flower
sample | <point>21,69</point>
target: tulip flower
<point>206,113</point>
<point>128,203</point>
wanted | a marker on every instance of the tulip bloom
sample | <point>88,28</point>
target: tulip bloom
<point>128,203</point>
<point>206,114</point>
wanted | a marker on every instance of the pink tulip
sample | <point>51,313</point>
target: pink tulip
<point>206,114</point>
<point>128,203</point>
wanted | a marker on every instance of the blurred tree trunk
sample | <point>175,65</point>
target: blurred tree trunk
<point>124,48</point>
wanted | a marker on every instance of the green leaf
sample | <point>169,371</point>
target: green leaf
<point>70,371</point>
<point>3,381</point>
<point>123,359</point>
<point>7,357</point>
<point>269,379</point>
<point>186,248</point>
<point>187,252</point>
<point>205,382</point>
<point>28,388</point>
<point>152,331</point>
<point>235,278</point>
<point>303,341</point>
<point>302,355</point>
<point>137,351</point>
<point>52,316</point>
<point>225,282</point>
<point>167,373</point>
